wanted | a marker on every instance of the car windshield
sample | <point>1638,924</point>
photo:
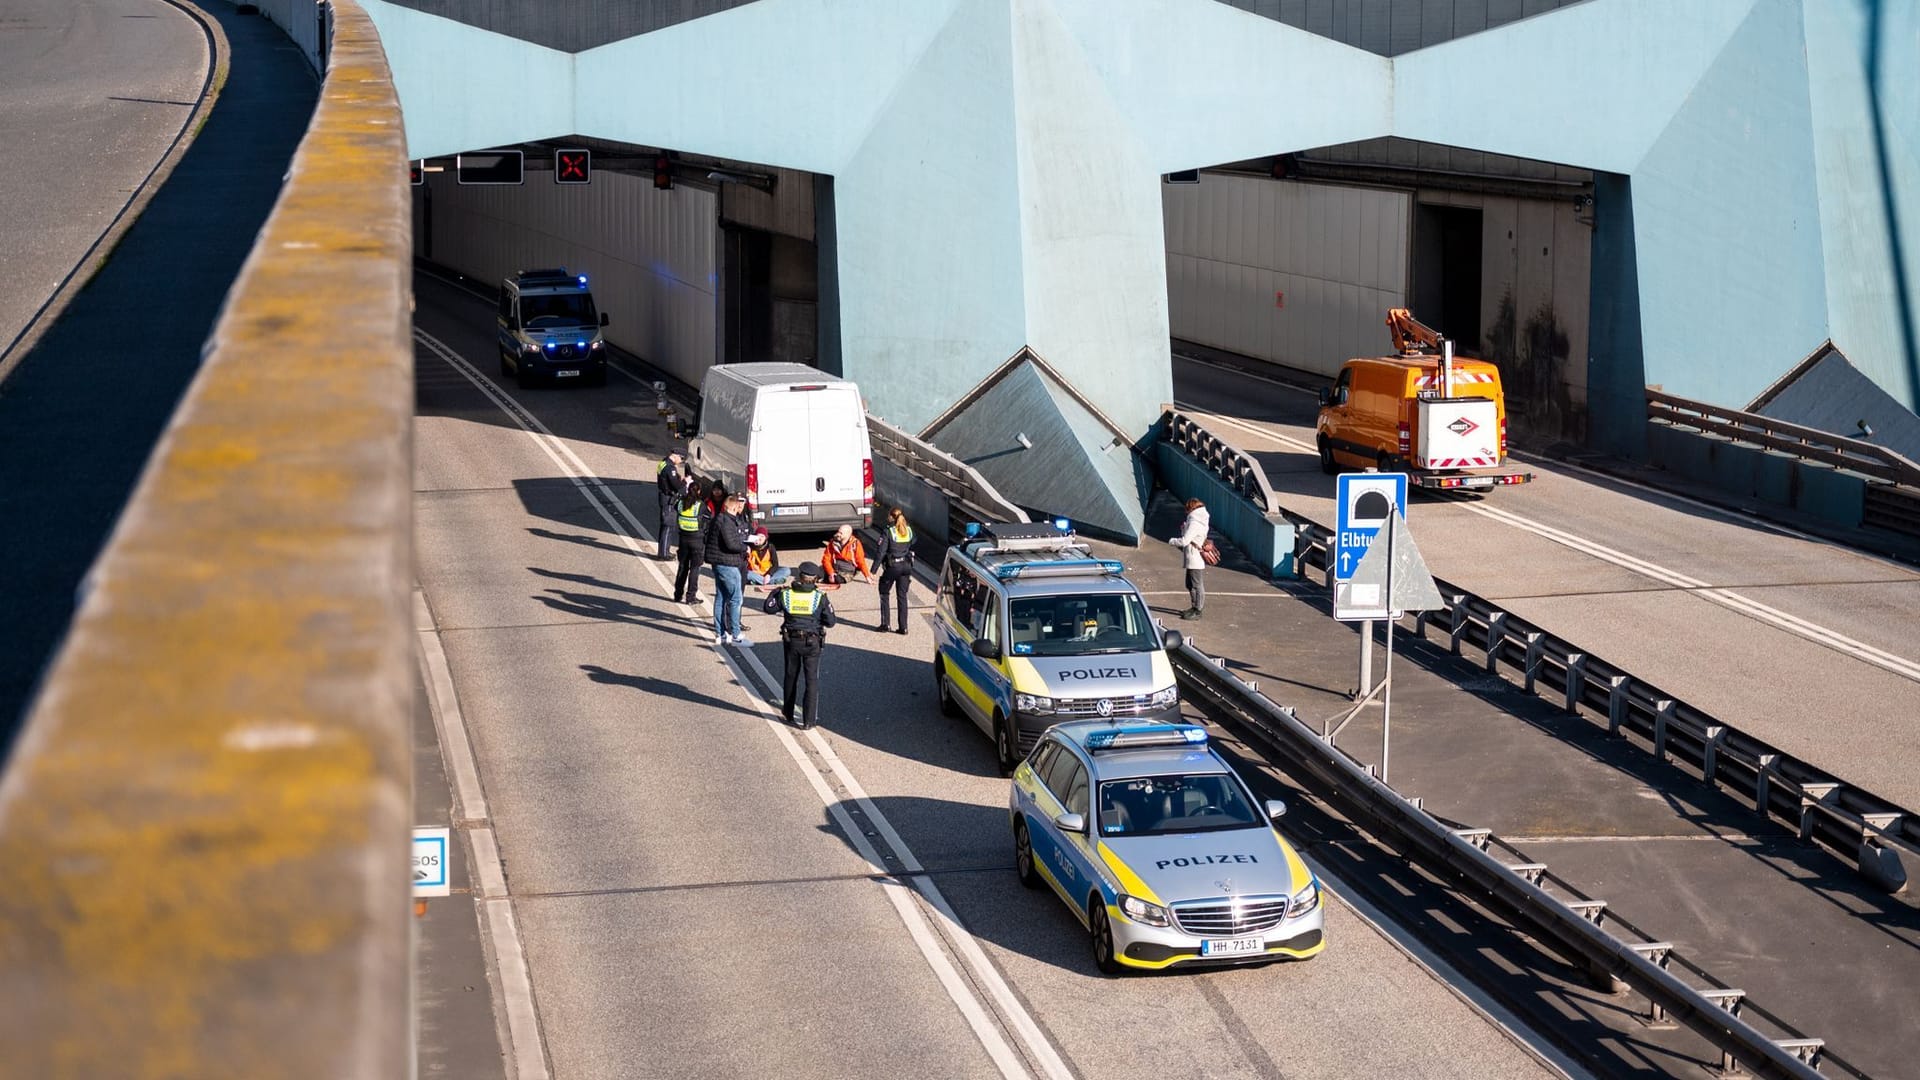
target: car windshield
<point>1079,625</point>
<point>551,310</point>
<point>1158,805</point>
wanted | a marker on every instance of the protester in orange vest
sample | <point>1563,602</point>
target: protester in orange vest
<point>844,555</point>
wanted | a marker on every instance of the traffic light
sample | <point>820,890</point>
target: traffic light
<point>573,166</point>
<point>416,173</point>
<point>490,167</point>
<point>662,171</point>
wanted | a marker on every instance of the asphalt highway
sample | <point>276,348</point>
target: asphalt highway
<point>701,890</point>
<point>1800,641</point>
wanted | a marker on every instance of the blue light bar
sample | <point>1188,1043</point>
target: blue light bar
<point>1063,524</point>
<point>1009,571</point>
<point>583,281</point>
<point>1145,735</point>
<point>973,529</point>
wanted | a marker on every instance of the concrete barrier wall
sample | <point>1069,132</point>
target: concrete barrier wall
<point>1828,493</point>
<point>1267,539</point>
<point>204,827</point>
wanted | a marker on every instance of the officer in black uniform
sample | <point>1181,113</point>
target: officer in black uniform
<point>807,615</point>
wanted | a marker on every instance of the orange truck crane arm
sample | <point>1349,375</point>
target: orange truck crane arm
<point>1411,337</point>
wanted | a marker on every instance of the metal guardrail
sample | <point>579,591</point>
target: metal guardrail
<point>1858,455</point>
<point>1850,821</point>
<point>971,496</point>
<point>204,826</point>
<point>1458,856</point>
<point>1239,470</point>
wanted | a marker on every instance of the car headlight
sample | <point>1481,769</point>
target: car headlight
<point>529,347</point>
<point>1142,912</point>
<point>1032,703</point>
<point>1163,698</point>
<point>1305,900</point>
<point>597,346</point>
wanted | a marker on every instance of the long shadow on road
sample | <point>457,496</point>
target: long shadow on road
<point>81,413</point>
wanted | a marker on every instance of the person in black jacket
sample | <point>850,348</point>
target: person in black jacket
<point>670,481</point>
<point>727,538</point>
<point>806,614</point>
<point>690,521</point>
<point>894,559</point>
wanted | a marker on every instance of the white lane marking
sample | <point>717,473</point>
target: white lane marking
<point>494,907</point>
<point>1727,598</point>
<point>964,998</point>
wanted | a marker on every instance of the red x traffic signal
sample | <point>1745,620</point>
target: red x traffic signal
<point>573,166</point>
<point>662,171</point>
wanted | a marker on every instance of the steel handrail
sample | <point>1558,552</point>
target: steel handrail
<point>1798,440</point>
<point>1357,793</point>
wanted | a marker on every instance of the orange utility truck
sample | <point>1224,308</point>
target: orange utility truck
<point>1440,419</point>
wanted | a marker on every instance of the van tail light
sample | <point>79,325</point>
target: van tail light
<point>1503,437</point>
<point>753,483</point>
<point>866,480</point>
<point>1406,438</point>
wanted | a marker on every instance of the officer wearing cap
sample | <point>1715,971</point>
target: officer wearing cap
<point>807,613</point>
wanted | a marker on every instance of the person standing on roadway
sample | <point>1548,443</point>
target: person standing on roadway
<point>806,614</point>
<point>1193,534</point>
<point>727,538</point>
<point>670,481</point>
<point>894,559</point>
<point>690,521</point>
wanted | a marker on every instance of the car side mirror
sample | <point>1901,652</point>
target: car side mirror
<point>1172,639</point>
<point>604,320</point>
<point>986,648</point>
<point>1326,396</point>
<point>1073,823</point>
<point>1276,809</point>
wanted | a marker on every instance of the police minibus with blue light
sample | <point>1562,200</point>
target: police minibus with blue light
<point>548,328</point>
<point>1160,849</point>
<point>1031,629</point>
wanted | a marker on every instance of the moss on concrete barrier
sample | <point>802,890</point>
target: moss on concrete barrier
<point>203,832</point>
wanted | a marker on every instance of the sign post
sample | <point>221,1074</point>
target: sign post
<point>1364,502</point>
<point>1395,569</point>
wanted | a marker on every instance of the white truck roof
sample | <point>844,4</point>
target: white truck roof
<point>770,374</point>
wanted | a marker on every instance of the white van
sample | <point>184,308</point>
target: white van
<point>794,438</point>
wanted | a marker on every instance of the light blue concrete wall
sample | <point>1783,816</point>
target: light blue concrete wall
<point>1866,310</point>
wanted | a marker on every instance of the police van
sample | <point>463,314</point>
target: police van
<point>1031,630</point>
<point>548,327</point>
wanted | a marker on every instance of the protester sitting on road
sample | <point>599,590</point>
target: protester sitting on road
<point>763,562</point>
<point>843,555</point>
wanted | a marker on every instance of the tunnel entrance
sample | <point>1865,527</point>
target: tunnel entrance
<point>1446,271</point>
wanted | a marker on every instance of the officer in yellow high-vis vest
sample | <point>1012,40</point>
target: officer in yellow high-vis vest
<point>807,613</point>
<point>894,560</point>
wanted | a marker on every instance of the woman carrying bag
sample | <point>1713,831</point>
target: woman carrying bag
<point>1197,553</point>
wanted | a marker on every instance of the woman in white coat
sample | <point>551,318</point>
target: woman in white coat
<point>1193,533</point>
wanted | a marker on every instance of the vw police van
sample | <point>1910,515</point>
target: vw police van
<point>548,327</point>
<point>1031,630</point>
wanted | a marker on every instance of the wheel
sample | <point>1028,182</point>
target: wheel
<point>598,378</point>
<point>1102,930</point>
<point>1023,856</point>
<point>1006,752</point>
<point>1327,464</point>
<point>522,376</point>
<point>944,691</point>
<point>506,364</point>
<point>1385,462</point>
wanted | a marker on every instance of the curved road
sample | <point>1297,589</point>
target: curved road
<point>92,94</point>
<point>1800,641</point>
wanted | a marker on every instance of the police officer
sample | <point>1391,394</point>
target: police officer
<point>807,614</point>
<point>690,522</point>
<point>670,481</point>
<point>894,557</point>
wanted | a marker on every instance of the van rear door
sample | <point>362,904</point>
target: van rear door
<point>839,445</point>
<point>810,445</point>
<point>781,457</point>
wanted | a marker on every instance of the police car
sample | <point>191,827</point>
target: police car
<point>548,327</point>
<point>1031,629</point>
<point>1160,849</point>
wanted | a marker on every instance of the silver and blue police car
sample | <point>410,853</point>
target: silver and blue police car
<point>1160,849</point>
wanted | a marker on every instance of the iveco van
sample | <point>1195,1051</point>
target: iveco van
<point>548,328</point>
<point>793,438</point>
<point>1031,630</point>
